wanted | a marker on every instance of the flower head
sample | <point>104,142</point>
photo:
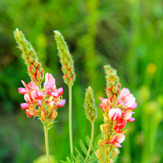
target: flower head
<point>42,102</point>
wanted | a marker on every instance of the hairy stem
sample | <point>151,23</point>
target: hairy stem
<point>90,146</point>
<point>70,120</point>
<point>46,143</point>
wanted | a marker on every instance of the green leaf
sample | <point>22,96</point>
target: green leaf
<point>84,149</point>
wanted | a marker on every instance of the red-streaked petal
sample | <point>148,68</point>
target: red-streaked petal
<point>55,94</point>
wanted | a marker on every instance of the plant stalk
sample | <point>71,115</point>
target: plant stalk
<point>70,120</point>
<point>92,136</point>
<point>46,143</point>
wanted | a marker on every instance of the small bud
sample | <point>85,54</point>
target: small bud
<point>30,113</point>
<point>25,106</point>
<point>98,154</point>
<point>43,115</point>
<point>53,115</point>
<point>89,105</point>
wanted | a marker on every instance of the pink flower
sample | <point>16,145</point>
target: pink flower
<point>34,97</point>
<point>37,95</point>
<point>115,114</point>
<point>120,124</point>
<point>25,106</point>
<point>126,98</point>
<point>117,139</point>
<point>133,106</point>
<point>105,104</point>
<point>49,85</point>
<point>124,92</point>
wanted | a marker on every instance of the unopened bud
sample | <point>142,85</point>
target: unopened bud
<point>89,105</point>
<point>43,115</point>
<point>65,59</point>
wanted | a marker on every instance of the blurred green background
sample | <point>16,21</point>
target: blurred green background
<point>127,34</point>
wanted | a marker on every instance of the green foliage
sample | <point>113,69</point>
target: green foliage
<point>126,34</point>
<point>42,159</point>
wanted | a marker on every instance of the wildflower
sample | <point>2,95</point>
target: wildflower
<point>115,114</point>
<point>117,139</point>
<point>36,99</point>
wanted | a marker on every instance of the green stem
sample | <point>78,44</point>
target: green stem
<point>46,143</point>
<point>90,146</point>
<point>70,120</point>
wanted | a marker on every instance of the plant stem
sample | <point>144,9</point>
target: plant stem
<point>46,143</point>
<point>70,120</point>
<point>90,146</point>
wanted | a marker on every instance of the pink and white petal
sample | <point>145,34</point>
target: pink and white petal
<point>61,103</point>
<point>117,145</point>
<point>124,92</point>
<point>55,94</point>
<point>133,106</point>
<point>27,98</point>
<point>22,90</point>
<point>132,119</point>
<point>25,106</point>
<point>34,95</point>
<point>60,91</point>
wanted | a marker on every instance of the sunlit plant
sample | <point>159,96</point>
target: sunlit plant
<point>42,101</point>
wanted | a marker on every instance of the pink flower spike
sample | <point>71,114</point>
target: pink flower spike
<point>133,106</point>
<point>131,119</point>
<point>61,103</point>
<point>60,91</point>
<point>25,106</point>
<point>22,90</point>
<point>115,114</point>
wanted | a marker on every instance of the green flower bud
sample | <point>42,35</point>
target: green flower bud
<point>112,82</point>
<point>35,70</point>
<point>89,105</point>
<point>65,59</point>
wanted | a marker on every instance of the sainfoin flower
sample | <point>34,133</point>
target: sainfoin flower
<point>42,102</point>
<point>117,139</point>
<point>119,113</point>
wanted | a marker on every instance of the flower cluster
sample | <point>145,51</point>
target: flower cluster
<point>118,109</point>
<point>42,102</point>
<point>115,119</point>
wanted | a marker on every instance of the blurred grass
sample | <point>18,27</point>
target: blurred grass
<point>126,34</point>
